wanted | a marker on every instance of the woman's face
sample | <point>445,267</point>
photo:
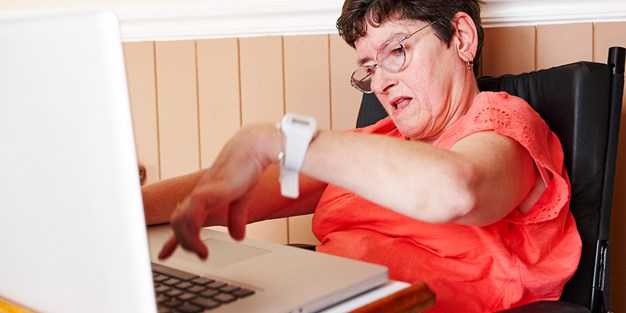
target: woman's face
<point>424,97</point>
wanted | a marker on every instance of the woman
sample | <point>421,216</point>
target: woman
<point>461,189</point>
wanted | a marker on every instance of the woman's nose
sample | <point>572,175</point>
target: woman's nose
<point>382,81</point>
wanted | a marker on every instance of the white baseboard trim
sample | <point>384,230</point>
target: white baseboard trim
<point>497,13</point>
<point>246,18</point>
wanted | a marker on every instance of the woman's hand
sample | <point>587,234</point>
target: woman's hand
<point>221,196</point>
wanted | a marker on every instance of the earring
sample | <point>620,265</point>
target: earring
<point>470,64</point>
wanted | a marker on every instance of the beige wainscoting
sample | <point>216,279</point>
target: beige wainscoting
<point>188,97</point>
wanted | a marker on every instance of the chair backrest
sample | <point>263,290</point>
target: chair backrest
<point>581,102</point>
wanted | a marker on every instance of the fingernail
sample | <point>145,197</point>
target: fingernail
<point>162,255</point>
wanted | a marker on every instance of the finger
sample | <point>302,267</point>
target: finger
<point>238,217</point>
<point>187,225</point>
<point>198,246</point>
<point>193,243</point>
<point>168,248</point>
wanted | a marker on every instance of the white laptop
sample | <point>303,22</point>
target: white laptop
<point>72,232</point>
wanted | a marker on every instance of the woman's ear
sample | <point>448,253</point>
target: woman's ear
<point>466,37</point>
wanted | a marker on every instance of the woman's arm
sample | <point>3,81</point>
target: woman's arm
<point>161,198</point>
<point>480,180</point>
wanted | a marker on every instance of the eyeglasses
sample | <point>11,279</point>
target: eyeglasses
<point>391,57</point>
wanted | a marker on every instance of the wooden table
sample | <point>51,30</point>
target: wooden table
<point>393,297</point>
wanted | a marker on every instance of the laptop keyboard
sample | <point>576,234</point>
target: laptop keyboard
<point>179,291</point>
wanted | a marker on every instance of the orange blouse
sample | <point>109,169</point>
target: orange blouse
<point>520,259</point>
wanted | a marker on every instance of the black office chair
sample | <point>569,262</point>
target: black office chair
<point>581,102</point>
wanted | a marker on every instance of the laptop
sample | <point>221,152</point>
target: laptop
<point>72,231</point>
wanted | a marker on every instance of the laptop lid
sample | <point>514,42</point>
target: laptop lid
<point>72,231</point>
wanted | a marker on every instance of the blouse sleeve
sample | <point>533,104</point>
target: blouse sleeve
<point>513,117</point>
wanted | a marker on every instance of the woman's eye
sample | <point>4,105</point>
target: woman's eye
<point>393,51</point>
<point>397,51</point>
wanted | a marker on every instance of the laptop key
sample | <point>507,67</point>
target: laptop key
<point>225,298</point>
<point>171,303</point>
<point>229,288</point>
<point>196,289</point>
<point>205,303</point>
<point>159,278</point>
<point>184,285</point>
<point>161,298</point>
<point>162,289</point>
<point>172,272</point>
<point>202,280</point>
<point>186,296</point>
<point>164,310</point>
<point>174,292</point>
<point>189,308</point>
<point>216,285</point>
<point>209,293</point>
<point>242,293</point>
<point>172,282</point>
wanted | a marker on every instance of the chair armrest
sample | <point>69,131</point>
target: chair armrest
<point>548,307</point>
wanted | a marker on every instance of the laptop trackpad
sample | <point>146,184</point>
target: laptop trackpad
<point>223,253</point>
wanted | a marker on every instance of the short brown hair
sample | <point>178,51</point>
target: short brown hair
<point>357,14</point>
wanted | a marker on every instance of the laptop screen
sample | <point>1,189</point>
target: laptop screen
<point>71,224</point>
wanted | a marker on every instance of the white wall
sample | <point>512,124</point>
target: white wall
<point>192,19</point>
<point>24,5</point>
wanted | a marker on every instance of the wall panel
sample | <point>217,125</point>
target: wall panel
<point>607,35</point>
<point>508,50</point>
<point>140,74</point>
<point>177,107</point>
<point>307,87</point>
<point>307,91</point>
<point>345,100</point>
<point>218,95</point>
<point>261,61</point>
<point>262,101</point>
<point>562,44</point>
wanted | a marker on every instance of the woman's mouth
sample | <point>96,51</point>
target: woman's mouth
<point>400,103</point>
